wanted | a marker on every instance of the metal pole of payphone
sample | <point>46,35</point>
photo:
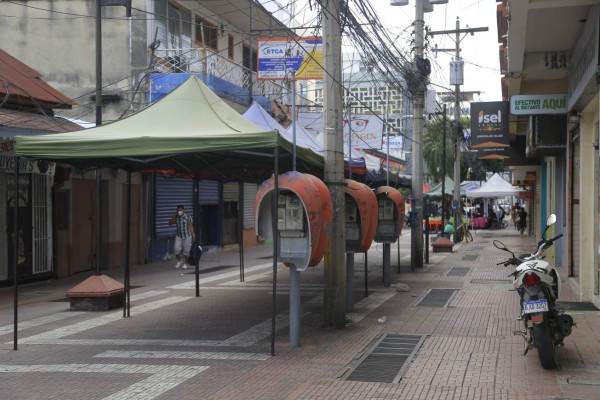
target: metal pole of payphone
<point>387,249</point>
<point>294,306</point>
<point>366,277</point>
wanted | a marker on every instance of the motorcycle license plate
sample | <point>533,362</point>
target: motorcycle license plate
<point>535,306</point>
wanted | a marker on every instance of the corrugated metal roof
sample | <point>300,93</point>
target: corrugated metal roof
<point>20,121</point>
<point>25,86</point>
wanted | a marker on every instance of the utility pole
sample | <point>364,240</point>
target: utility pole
<point>418,98</point>
<point>335,271</point>
<point>457,130</point>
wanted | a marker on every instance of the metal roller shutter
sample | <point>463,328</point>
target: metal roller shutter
<point>231,192</point>
<point>209,193</point>
<point>170,192</point>
<point>250,190</point>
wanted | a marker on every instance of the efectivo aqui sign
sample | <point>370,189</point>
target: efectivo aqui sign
<point>531,104</point>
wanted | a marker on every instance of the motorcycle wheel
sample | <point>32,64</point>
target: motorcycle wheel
<point>542,338</point>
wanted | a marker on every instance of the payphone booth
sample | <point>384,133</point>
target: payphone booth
<point>390,214</point>
<point>304,211</point>
<point>390,219</point>
<point>360,221</point>
<point>360,217</point>
<point>304,214</point>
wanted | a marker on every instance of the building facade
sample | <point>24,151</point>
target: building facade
<point>538,59</point>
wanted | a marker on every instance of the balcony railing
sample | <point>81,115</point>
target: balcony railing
<point>199,61</point>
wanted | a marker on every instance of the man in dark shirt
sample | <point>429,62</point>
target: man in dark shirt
<point>184,237</point>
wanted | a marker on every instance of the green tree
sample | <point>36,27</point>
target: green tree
<point>433,148</point>
<point>471,168</point>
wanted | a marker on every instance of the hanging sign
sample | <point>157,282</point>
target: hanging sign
<point>489,124</point>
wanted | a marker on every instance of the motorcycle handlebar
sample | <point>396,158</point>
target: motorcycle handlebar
<point>555,238</point>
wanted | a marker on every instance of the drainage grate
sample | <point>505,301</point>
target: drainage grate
<point>437,298</point>
<point>458,271</point>
<point>388,359</point>
<point>470,257</point>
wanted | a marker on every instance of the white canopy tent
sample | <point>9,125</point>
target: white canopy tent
<point>496,186</point>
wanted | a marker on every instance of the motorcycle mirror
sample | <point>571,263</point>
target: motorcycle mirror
<point>500,246</point>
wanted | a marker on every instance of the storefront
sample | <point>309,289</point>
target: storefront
<point>33,205</point>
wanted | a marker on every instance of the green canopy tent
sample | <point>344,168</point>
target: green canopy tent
<point>189,130</point>
<point>436,191</point>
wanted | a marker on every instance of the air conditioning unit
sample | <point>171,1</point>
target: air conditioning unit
<point>546,135</point>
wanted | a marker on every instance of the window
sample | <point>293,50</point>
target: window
<point>246,61</point>
<point>209,31</point>
<point>180,27</point>
<point>230,47</point>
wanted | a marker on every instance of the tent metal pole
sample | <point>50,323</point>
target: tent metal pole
<point>196,244</point>
<point>16,257</point>
<point>241,229</point>
<point>126,303</point>
<point>275,246</point>
<point>98,219</point>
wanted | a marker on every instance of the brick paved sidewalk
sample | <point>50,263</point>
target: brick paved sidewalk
<point>218,346</point>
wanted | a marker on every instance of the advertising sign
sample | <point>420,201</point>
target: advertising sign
<point>367,130</point>
<point>489,124</point>
<point>26,166</point>
<point>530,104</point>
<point>277,56</point>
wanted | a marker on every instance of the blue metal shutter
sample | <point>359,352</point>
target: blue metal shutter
<point>209,192</point>
<point>170,192</point>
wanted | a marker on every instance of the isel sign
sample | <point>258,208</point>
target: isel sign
<point>489,124</point>
<point>530,104</point>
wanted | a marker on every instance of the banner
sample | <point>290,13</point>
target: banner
<point>277,56</point>
<point>367,130</point>
<point>396,142</point>
<point>489,124</point>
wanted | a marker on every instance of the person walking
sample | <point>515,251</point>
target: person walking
<point>184,237</point>
<point>522,223</point>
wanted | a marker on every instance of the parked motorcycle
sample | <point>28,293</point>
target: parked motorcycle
<point>538,285</point>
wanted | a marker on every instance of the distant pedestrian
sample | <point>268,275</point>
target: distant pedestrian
<point>522,223</point>
<point>515,214</point>
<point>184,237</point>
